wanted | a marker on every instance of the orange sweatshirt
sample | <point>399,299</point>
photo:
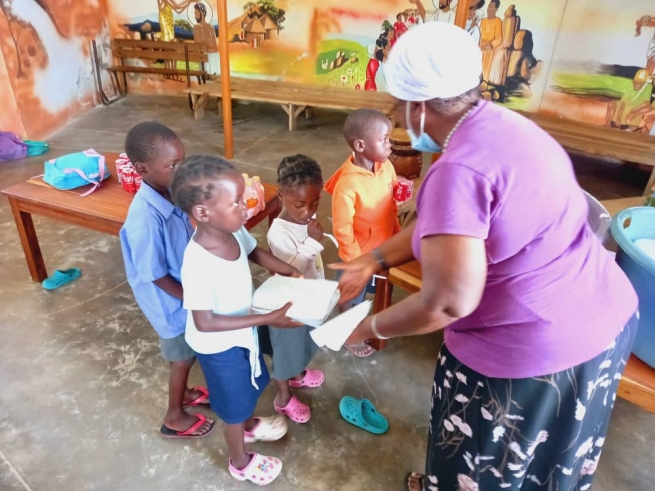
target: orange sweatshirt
<point>364,213</point>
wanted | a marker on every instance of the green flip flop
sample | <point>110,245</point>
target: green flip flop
<point>362,413</point>
<point>60,278</point>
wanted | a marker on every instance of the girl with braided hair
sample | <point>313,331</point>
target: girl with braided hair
<point>294,237</point>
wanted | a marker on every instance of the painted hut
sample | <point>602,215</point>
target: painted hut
<point>270,26</point>
<point>255,33</point>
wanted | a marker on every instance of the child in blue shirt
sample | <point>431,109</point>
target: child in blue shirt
<point>153,240</point>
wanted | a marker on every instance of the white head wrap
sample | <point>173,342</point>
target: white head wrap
<point>435,60</point>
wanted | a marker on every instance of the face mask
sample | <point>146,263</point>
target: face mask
<point>423,142</point>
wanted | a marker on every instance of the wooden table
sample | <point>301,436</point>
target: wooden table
<point>104,211</point>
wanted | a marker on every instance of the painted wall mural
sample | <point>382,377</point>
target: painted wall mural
<point>603,66</point>
<point>48,77</point>
<point>586,60</point>
<point>345,44</point>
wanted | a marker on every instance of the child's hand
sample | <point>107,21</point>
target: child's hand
<point>278,318</point>
<point>315,230</point>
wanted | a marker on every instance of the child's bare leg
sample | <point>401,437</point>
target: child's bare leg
<point>300,376</point>
<point>176,417</point>
<point>235,444</point>
<point>283,395</point>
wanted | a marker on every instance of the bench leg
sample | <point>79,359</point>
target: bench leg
<point>383,291</point>
<point>308,113</point>
<point>651,182</point>
<point>293,111</point>
<point>198,105</point>
<point>30,242</point>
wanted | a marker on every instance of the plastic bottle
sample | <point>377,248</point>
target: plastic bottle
<point>257,184</point>
<point>251,197</point>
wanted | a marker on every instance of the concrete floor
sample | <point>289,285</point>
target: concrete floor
<point>85,388</point>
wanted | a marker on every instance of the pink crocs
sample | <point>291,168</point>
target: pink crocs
<point>261,470</point>
<point>312,378</point>
<point>295,410</point>
<point>269,429</point>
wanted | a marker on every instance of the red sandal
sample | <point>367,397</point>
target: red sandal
<point>167,432</point>
<point>201,401</point>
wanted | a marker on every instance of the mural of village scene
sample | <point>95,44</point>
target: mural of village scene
<point>509,64</point>
<point>613,85</point>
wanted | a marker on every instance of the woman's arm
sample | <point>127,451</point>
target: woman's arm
<point>454,271</point>
<point>357,273</point>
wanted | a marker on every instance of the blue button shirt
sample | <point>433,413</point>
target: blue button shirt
<point>153,240</point>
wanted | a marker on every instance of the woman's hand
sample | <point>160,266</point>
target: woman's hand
<point>356,275</point>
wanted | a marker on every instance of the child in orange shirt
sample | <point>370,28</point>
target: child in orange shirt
<point>364,212</point>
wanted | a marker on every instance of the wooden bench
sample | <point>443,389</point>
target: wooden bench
<point>294,98</point>
<point>152,52</point>
<point>600,141</point>
<point>638,381</point>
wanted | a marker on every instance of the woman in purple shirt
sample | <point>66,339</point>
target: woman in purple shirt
<point>539,321</point>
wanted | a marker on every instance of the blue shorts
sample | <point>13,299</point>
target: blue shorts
<point>369,288</point>
<point>231,394</point>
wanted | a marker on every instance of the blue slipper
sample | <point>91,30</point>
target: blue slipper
<point>362,413</point>
<point>60,278</point>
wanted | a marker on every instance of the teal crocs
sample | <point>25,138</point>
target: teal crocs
<point>362,413</point>
<point>61,278</point>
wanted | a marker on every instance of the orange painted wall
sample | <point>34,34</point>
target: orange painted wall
<point>46,68</point>
<point>9,113</point>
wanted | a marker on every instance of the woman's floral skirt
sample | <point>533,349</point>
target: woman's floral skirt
<point>541,433</point>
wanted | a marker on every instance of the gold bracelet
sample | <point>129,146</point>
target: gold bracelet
<point>374,327</point>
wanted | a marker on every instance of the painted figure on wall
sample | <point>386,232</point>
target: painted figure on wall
<point>626,114</point>
<point>167,10</point>
<point>491,35</point>
<point>372,68</point>
<point>473,19</point>
<point>648,21</point>
<point>400,26</point>
<point>442,11</point>
<point>203,32</point>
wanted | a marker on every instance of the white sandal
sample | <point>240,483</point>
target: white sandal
<point>261,470</point>
<point>269,429</point>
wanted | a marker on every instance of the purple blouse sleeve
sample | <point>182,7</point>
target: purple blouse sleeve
<point>454,200</point>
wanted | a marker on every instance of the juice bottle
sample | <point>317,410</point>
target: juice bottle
<point>257,184</point>
<point>251,197</point>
